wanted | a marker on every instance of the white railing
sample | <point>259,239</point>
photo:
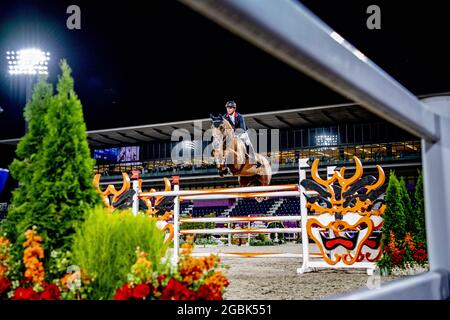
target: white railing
<point>288,190</point>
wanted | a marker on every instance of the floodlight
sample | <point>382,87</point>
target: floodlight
<point>27,62</point>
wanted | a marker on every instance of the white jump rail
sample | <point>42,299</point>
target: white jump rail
<point>243,195</point>
<point>288,190</point>
<point>241,219</point>
<point>220,191</point>
<point>240,231</point>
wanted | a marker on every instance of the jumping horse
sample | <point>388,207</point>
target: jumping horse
<point>230,155</point>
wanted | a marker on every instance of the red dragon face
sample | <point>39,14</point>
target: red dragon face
<point>345,214</point>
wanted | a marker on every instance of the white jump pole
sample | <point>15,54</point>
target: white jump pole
<point>248,254</point>
<point>240,231</point>
<point>176,223</point>
<point>229,235</point>
<point>256,193</point>
<point>302,165</point>
<point>241,219</point>
<point>135,208</point>
<point>222,191</point>
<point>249,235</point>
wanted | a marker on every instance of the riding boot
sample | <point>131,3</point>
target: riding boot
<point>252,156</point>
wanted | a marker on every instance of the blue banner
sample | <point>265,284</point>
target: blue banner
<point>3,177</point>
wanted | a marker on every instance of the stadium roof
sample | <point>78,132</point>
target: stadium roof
<point>291,118</point>
<point>309,117</point>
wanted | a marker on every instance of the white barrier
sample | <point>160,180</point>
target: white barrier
<point>241,219</point>
<point>289,190</point>
<point>221,191</point>
<point>240,231</point>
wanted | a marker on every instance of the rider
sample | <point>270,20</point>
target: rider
<point>238,124</point>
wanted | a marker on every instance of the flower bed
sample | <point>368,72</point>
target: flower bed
<point>33,285</point>
<point>403,257</point>
<point>191,279</point>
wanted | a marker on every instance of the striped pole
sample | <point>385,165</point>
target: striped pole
<point>176,224</point>
<point>222,191</point>
<point>241,219</point>
<point>240,231</point>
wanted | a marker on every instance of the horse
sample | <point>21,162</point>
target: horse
<point>230,155</point>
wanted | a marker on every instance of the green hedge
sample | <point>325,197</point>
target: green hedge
<point>105,247</point>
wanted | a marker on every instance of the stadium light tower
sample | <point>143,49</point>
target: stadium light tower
<point>28,63</point>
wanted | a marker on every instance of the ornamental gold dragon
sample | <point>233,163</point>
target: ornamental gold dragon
<point>345,214</point>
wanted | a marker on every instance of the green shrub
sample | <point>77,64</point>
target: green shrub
<point>419,230</point>
<point>105,247</point>
<point>395,219</point>
<point>27,148</point>
<point>257,243</point>
<point>206,241</point>
<point>403,220</point>
<point>407,204</point>
<point>53,167</point>
<point>200,225</point>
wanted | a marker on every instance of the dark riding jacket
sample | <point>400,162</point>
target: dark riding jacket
<point>239,122</point>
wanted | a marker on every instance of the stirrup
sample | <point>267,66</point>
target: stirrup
<point>257,163</point>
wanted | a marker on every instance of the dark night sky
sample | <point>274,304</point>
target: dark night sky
<point>136,64</point>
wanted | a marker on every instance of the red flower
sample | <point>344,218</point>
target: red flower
<point>175,290</point>
<point>161,277</point>
<point>51,292</point>
<point>141,291</point>
<point>420,255</point>
<point>4,285</point>
<point>397,257</point>
<point>207,292</point>
<point>25,280</point>
<point>203,292</point>
<point>25,294</point>
<point>123,293</point>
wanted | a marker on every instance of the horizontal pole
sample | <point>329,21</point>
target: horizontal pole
<point>240,219</point>
<point>289,31</point>
<point>432,285</point>
<point>240,231</point>
<point>248,254</point>
<point>242,195</point>
<point>286,187</point>
<point>340,265</point>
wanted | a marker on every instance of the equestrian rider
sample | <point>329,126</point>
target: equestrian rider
<point>238,123</point>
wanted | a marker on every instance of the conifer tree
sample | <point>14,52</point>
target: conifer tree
<point>419,231</point>
<point>407,206</point>
<point>62,181</point>
<point>394,215</point>
<point>22,167</point>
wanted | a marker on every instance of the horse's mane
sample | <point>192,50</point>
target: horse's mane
<point>227,124</point>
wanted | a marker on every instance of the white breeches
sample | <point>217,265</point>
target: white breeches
<point>244,137</point>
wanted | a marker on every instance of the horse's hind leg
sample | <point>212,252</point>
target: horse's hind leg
<point>264,180</point>
<point>245,181</point>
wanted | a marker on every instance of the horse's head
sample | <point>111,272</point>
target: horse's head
<point>221,132</point>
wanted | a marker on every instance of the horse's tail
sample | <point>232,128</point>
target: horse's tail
<point>265,171</point>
